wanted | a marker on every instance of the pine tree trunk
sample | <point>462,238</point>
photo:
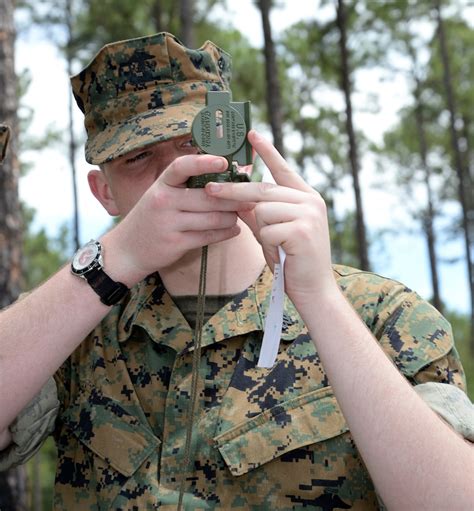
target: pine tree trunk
<point>273,84</point>
<point>12,483</point>
<point>468,162</point>
<point>157,15</point>
<point>186,17</point>
<point>341,22</point>
<point>163,14</point>
<point>428,217</point>
<point>457,160</point>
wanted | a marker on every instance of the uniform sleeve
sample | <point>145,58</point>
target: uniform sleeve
<point>416,337</point>
<point>31,428</point>
<point>420,342</point>
<point>451,404</point>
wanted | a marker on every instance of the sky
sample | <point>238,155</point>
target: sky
<point>47,187</point>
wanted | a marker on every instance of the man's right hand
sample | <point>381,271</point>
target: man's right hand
<point>167,221</point>
<point>170,220</point>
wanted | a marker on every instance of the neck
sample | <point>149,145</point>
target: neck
<point>232,266</point>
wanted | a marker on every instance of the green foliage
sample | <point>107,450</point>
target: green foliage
<point>460,42</point>
<point>28,142</point>
<point>41,470</point>
<point>104,21</point>
<point>343,241</point>
<point>247,63</point>
<point>42,255</point>
<point>401,145</point>
<point>310,54</point>
<point>99,22</point>
<point>425,72</point>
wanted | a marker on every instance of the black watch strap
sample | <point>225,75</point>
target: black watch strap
<point>109,291</point>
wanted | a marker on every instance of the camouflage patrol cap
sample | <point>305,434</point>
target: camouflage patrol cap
<point>4,138</point>
<point>145,90</point>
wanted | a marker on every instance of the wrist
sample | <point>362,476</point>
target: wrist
<point>322,300</point>
<point>88,264</point>
<point>118,263</point>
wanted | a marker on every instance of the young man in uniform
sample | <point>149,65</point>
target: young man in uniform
<point>334,418</point>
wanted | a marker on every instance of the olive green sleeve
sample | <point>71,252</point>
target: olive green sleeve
<point>31,428</point>
<point>451,404</point>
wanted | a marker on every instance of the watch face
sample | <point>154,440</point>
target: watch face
<point>85,256</point>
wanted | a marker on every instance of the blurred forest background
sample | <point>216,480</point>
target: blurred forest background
<point>303,89</point>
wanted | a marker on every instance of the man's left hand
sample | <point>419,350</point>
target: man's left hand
<point>289,213</point>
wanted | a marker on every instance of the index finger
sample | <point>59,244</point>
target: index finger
<point>277,165</point>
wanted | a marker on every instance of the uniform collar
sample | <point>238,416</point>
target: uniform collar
<point>152,308</point>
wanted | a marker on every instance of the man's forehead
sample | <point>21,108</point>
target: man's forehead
<point>160,145</point>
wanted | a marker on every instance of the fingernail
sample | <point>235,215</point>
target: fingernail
<point>214,187</point>
<point>218,165</point>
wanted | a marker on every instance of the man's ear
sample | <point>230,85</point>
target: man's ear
<point>101,189</point>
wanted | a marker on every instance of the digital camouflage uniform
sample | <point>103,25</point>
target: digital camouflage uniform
<point>263,438</point>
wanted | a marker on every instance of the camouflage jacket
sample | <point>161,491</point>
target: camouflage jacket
<point>263,438</point>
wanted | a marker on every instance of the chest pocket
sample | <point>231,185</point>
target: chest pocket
<point>108,447</point>
<point>296,454</point>
<point>308,419</point>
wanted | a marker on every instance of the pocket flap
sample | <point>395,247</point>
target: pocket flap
<point>112,433</point>
<point>305,420</point>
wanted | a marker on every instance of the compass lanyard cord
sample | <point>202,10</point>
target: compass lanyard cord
<point>201,301</point>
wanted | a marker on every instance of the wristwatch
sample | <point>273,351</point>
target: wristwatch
<point>88,264</point>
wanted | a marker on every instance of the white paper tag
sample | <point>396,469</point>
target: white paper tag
<point>274,319</point>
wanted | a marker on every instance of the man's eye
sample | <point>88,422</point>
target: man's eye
<point>187,143</point>
<point>137,157</point>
